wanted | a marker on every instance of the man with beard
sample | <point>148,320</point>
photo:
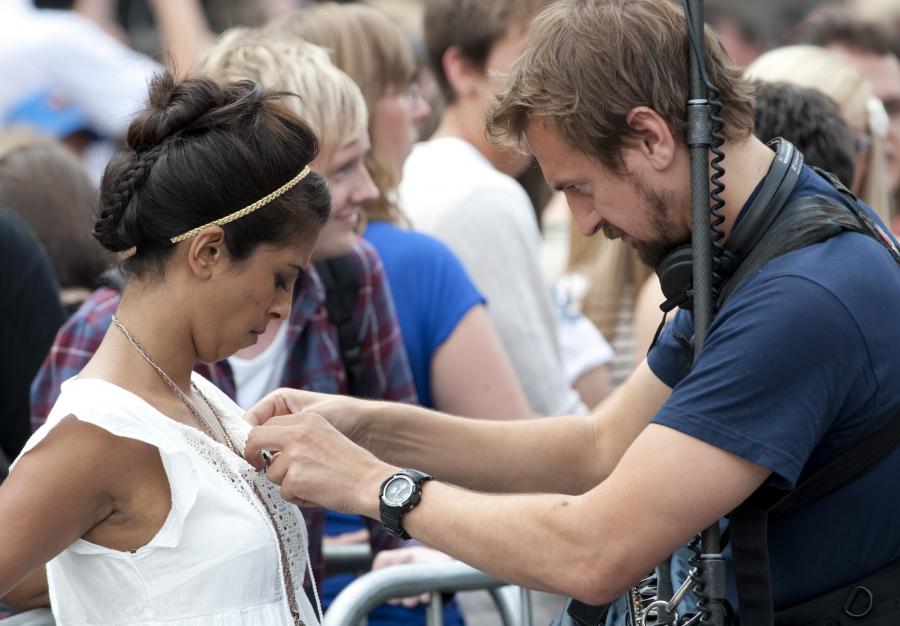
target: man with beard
<point>798,366</point>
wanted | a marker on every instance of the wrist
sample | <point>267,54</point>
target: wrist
<point>370,489</point>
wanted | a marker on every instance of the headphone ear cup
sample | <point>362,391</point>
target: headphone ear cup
<point>676,274</point>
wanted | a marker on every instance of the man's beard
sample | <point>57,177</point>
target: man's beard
<point>653,251</point>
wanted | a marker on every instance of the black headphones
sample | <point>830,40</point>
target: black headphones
<point>675,271</point>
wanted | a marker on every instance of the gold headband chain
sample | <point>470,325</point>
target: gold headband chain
<point>246,210</point>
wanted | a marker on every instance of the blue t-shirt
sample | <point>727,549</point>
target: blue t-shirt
<point>432,293</point>
<point>801,363</point>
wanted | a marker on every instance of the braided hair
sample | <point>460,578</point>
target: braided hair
<point>202,150</point>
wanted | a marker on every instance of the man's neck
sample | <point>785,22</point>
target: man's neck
<point>746,164</point>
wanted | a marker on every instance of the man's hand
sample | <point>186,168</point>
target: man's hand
<point>346,414</point>
<point>315,464</point>
<point>402,556</point>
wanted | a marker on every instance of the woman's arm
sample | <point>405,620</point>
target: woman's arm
<point>55,494</point>
<point>31,593</point>
<point>471,375</point>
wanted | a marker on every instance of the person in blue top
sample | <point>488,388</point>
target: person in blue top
<point>800,364</point>
<point>457,360</point>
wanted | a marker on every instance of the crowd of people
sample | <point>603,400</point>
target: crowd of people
<point>339,199</point>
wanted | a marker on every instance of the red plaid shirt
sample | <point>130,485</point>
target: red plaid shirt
<point>314,362</point>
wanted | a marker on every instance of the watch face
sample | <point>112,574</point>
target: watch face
<point>398,490</point>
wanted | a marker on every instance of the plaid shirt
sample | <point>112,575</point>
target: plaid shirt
<point>314,362</point>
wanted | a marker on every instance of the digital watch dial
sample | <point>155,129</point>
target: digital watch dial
<point>398,495</point>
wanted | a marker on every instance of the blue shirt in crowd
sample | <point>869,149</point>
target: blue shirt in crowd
<point>432,293</point>
<point>801,363</point>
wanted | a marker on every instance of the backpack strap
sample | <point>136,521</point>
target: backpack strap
<point>342,285</point>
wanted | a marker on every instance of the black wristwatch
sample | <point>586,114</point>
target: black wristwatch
<point>398,495</point>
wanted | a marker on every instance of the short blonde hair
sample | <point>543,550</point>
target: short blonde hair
<point>833,75</point>
<point>376,54</point>
<point>328,99</point>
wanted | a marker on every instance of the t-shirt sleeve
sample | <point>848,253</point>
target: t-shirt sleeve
<point>452,293</point>
<point>778,363</point>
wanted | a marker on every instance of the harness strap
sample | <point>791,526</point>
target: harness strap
<point>342,287</point>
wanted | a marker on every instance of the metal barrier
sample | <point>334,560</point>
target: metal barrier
<point>353,604</point>
<point>341,558</point>
<point>37,617</point>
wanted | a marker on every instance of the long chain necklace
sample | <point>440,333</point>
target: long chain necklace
<point>207,428</point>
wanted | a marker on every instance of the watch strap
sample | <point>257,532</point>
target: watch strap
<point>392,516</point>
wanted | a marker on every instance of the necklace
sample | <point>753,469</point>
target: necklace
<point>207,428</point>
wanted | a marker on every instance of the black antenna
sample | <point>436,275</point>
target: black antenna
<point>705,221</point>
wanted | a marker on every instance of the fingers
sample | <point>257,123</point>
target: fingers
<point>272,438</point>
<point>279,402</point>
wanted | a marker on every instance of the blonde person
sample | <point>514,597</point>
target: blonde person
<point>837,77</point>
<point>604,279</point>
<point>456,356</point>
<point>135,493</point>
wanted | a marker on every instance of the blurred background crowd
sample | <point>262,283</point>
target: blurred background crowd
<point>466,250</point>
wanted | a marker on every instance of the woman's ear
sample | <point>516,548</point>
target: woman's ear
<point>207,252</point>
<point>653,138</point>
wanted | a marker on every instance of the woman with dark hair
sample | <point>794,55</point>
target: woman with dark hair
<point>156,517</point>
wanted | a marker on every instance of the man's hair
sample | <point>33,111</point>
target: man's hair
<point>811,121</point>
<point>472,26</point>
<point>589,62</point>
<point>837,26</point>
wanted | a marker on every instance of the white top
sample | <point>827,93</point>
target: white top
<point>104,78</point>
<point>571,288</point>
<point>581,343</point>
<point>257,376</point>
<point>451,191</point>
<point>215,561</point>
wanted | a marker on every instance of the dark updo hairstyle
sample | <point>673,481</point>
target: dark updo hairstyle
<point>203,150</point>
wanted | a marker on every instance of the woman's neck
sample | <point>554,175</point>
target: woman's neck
<point>163,331</point>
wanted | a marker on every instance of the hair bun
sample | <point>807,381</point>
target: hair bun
<point>175,108</point>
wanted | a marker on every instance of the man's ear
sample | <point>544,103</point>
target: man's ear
<point>653,138</point>
<point>207,253</point>
<point>461,73</point>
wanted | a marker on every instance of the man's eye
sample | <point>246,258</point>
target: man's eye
<point>280,282</point>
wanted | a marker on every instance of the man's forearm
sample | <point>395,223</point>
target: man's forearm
<point>552,454</point>
<point>556,454</point>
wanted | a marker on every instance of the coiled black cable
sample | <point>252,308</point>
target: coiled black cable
<point>721,261</point>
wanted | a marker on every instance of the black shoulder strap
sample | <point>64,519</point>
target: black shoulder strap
<point>802,223</point>
<point>748,528</point>
<point>342,287</point>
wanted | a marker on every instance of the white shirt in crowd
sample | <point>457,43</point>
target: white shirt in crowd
<point>451,191</point>
<point>257,376</point>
